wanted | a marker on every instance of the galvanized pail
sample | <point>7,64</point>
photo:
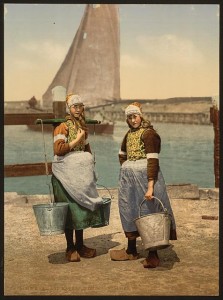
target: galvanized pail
<point>51,218</point>
<point>105,208</point>
<point>154,229</point>
<point>104,212</point>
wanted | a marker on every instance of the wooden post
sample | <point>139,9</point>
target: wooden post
<point>59,104</point>
<point>214,118</point>
<point>59,109</point>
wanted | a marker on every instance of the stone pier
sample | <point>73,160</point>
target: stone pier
<point>36,265</point>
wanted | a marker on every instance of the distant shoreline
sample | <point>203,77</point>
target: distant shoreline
<point>184,110</point>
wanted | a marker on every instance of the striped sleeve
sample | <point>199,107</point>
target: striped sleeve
<point>152,144</point>
<point>60,144</point>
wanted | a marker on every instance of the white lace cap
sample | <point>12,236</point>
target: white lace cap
<point>132,109</point>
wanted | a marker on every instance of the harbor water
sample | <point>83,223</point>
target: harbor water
<point>187,155</point>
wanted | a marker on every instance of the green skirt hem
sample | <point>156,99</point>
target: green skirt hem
<point>78,217</point>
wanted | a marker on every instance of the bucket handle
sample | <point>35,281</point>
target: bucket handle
<point>164,209</point>
<point>112,197</point>
<point>46,164</point>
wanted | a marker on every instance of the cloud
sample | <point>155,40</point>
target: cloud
<point>170,49</point>
<point>22,64</point>
<point>131,61</point>
<point>35,56</point>
<point>46,50</point>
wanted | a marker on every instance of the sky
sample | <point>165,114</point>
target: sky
<point>166,50</point>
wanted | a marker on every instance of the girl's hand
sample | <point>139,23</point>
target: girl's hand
<point>149,194</point>
<point>80,133</point>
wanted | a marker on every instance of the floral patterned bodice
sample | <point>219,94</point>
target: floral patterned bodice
<point>73,134</point>
<point>135,146</point>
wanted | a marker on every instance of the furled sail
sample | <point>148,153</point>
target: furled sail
<point>91,67</point>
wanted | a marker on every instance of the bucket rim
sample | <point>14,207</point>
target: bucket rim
<point>164,209</point>
<point>152,214</point>
<point>51,205</point>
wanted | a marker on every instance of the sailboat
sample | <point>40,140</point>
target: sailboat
<point>91,67</point>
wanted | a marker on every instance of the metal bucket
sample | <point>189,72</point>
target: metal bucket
<point>154,229</point>
<point>105,209</point>
<point>105,212</point>
<point>51,218</point>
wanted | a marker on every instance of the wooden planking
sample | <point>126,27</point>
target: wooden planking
<point>25,119</point>
<point>32,169</point>
<point>214,118</point>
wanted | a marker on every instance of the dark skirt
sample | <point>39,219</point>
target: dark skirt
<point>78,217</point>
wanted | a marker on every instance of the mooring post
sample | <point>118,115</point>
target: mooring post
<point>59,104</point>
<point>214,118</point>
<point>59,109</point>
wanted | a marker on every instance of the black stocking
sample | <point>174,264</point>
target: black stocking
<point>131,247</point>
<point>79,239</point>
<point>69,239</point>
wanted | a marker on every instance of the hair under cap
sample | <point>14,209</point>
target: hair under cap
<point>72,99</point>
<point>134,108</point>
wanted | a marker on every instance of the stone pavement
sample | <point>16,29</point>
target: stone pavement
<point>36,265</point>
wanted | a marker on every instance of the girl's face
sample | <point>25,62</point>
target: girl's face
<point>76,110</point>
<point>134,120</point>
